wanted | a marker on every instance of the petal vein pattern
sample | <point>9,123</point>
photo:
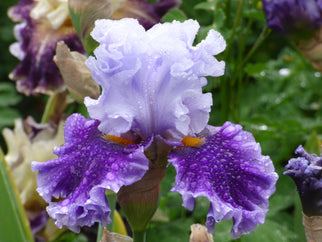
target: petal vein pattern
<point>152,80</point>
<point>231,172</point>
<point>86,166</point>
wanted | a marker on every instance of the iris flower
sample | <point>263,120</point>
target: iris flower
<point>152,112</point>
<point>27,142</point>
<point>42,24</point>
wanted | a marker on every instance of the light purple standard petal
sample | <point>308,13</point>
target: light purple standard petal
<point>86,166</point>
<point>152,80</point>
<point>231,172</point>
<point>306,171</point>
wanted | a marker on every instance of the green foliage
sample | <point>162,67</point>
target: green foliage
<point>271,231</point>
<point>14,225</point>
<point>176,230</point>
<point>313,144</point>
<point>72,237</point>
<point>8,98</point>
<point>174,14</point>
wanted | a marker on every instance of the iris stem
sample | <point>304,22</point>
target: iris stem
<point>226,90</point>
<point>262,37</point>
<point>139,236</point>
<point>48,108</point>
<point>55,107</point>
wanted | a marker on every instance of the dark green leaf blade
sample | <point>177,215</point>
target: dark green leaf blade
<point>14,225</point>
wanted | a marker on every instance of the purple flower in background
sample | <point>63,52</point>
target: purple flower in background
<point>296,18</point>
<point>43,23</point>
<point>152,106</point>
<point>306,171</point>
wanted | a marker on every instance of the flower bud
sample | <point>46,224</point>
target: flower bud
<point>76,75</point>
<point>199,233</point>
<point>306,171</point>
<point>313,228</point>
<point>114,237</point>
<point>312,49</point>
<point>140,200</point>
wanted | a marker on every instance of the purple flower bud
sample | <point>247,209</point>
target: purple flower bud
<point>306,171</point>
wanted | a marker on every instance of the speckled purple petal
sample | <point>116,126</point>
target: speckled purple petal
<point>37,72</point>
<point>152,80</point>
<point>147,13</point>
<point>293,17</point>
<point>86,166</point>
<point>306,171</point>
<point>231,172</point>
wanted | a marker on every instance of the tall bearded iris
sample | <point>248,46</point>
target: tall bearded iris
<point>152,111</point>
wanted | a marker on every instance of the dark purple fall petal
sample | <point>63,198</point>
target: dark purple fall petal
<point>231,172</point>
<point>306,171</point>
<point>86,166</point>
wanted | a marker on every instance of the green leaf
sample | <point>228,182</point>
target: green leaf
<point>174,14</point>
<point>256,68</point>
<point>8,95</point>
<point>211,6</point>
<point>219,19</point>
<point>313,144</point>
<point>14,225</point>
<point>222,231</point>
<point>76,20</point>
<point>283,198</point>
<point>7,116</point>
<point>72,237</point>
<point>254,14</point>
<point>174,231</point>
<point>270,231</point>
<point>201,209</point>
<point>82,24</point>
<point>299,230</point>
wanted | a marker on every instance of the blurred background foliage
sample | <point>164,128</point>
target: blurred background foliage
<point>12,104</point>
<point>269,88</point>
